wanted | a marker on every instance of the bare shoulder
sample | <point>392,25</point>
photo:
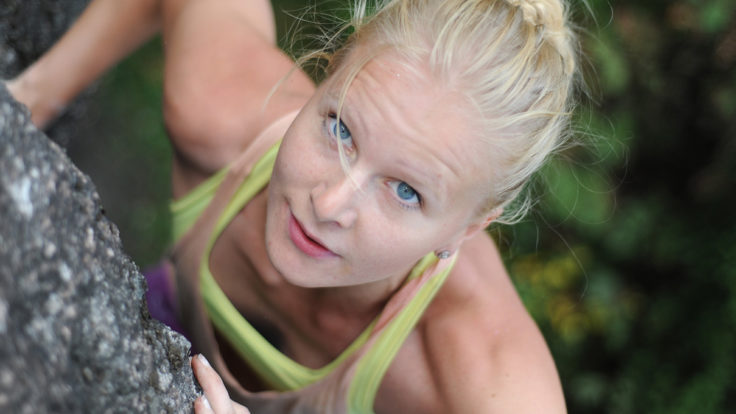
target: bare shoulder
<point>488,353</point>
<point>479,345</point>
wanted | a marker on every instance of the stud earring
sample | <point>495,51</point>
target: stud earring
<point>443,254</point>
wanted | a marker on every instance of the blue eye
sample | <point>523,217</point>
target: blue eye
<point>341,131</point>
<point>405,193</point>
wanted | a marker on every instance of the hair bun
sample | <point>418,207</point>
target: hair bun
<point>540,12</point>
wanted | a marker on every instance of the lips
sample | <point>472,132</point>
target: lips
<point>308,245</point>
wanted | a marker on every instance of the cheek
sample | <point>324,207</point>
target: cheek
<point>291,163</point>
<point>303,147</point>
<point>395,244</point>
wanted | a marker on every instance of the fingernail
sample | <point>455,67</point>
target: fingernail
<point>206,402</point>
<point>204,360</point>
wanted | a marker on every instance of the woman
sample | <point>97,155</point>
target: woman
<point>330,254</point>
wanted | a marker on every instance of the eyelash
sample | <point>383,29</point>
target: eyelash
<point>331,132</point>
<point>411,207</point>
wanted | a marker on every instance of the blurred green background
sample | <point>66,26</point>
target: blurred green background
<point>628,261</point>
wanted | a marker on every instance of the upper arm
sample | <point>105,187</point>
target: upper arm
<point>219,71</point>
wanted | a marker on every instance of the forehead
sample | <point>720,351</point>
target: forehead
<point>417,120</point>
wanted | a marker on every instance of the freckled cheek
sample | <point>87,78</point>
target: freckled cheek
<point>312,164</point>
<point>277,175</point>
<point>383,239</point>
<point>294,159</point>
<point>414,241</point>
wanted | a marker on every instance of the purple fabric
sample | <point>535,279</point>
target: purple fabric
<point>160,297</point>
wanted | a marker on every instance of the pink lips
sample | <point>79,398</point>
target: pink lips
<point>306,244</point>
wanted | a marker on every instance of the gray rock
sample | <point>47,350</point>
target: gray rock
<point>75,334</point>
<point>27,29</point>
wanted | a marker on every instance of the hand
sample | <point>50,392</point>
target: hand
<point>215,398</point>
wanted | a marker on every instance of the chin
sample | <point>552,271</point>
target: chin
<point>293,267</point>
<point>296,271</point>
<point>286,262</point>
<point>295,274</point>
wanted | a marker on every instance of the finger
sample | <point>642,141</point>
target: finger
<point>212,385</point>
<point>202,406</point>
<point>240,409</point>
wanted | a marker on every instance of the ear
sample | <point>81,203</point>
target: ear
<point>483,222</point>
<point>479,225</point>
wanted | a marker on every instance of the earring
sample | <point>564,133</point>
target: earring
<point>443,254</point>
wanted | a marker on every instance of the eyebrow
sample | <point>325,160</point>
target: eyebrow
<point>426,182</point>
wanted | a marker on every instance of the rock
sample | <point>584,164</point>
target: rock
<point>75,334</point>
<point>27,29</point>
<point>30,27</point>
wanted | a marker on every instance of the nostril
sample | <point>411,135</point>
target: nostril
<point>333,203</point>
<point>315,199</point>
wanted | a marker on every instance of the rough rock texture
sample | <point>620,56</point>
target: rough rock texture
<point>74,332</point>
<point>27,29</point>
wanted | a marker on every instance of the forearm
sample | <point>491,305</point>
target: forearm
<point>107,31</point>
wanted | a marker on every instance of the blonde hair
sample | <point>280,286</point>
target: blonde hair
<point>514,60</point>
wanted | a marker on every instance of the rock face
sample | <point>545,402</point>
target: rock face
<point>75,335</point>
<point>27,29</point>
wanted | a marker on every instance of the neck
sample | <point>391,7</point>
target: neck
<point>361,302</point>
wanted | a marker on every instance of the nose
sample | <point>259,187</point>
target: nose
<point>335,201</point>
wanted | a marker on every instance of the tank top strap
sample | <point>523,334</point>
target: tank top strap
<point>186,210</point>
<point>428,276</point>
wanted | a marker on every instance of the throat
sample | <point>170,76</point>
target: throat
<point>354,303</point>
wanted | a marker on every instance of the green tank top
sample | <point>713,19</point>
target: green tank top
<point>276,369</point>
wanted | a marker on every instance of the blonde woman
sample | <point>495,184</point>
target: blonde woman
<point>330,253</point>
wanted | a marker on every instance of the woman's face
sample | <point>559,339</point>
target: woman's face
<point>418,175</point>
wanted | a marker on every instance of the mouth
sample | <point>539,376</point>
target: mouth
<point>306,243</point>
